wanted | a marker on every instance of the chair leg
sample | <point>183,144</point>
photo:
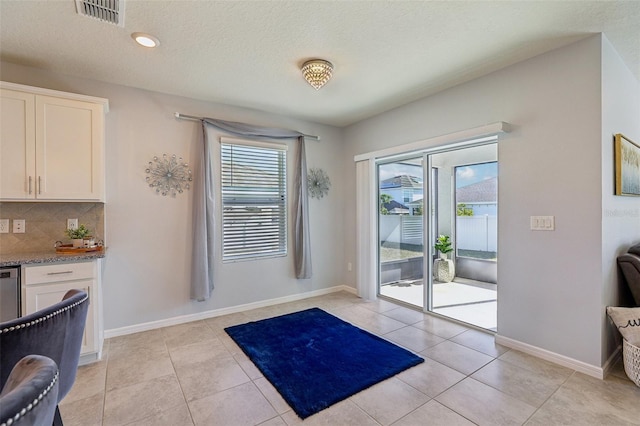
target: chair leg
<point>57,419</point>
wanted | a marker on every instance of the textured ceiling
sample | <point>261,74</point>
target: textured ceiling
<point>248,54</point>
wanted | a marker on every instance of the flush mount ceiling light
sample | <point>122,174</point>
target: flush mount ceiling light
<point>146,40</point>
<point>317,72</point>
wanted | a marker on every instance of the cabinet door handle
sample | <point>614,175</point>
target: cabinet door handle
<point>60,273</point>
<point>39,184</point>
<point>30,185</point>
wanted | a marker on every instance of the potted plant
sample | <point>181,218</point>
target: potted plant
<point>443,268</point>
<point>78,235</point>
<point>443,245</point>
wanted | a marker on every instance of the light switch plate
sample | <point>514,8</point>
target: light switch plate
<point>543,223</point>
<point>18,226</point>
<point>4,226</point>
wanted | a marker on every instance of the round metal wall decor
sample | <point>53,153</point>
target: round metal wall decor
<point>318,183</point>
<point>169,175</point>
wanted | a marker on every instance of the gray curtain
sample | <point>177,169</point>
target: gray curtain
<point>302,245</point>
<point>204,238</point>
<point>203,257</point>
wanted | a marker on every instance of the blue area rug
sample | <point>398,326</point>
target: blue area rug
<point>315,359</point>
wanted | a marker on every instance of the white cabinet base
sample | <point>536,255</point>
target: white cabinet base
<point>45,285</point>
<point>40,296</point>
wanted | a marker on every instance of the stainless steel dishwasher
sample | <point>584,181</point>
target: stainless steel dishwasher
<point>9,293</point>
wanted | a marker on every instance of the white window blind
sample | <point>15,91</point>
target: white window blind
<point>254,200</point>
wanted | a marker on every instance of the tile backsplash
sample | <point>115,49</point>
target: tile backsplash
<point>46,223</point>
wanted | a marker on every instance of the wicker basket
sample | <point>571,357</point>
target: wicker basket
<point>631,356</point>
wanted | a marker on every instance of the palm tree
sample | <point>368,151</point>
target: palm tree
<point>384,199</point>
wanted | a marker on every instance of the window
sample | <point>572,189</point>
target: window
<point>476,199</point>
<point>254,200</point>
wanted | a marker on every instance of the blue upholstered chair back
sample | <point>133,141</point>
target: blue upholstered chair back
<point>33,378</point>
<point>55,332</point>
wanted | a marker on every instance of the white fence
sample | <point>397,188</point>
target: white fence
<point>473,232</point>
<point>477,233</point>
<point>401,229</point>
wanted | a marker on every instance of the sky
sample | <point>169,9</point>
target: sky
<point>468,175</point>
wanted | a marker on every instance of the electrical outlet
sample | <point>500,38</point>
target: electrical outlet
<point>18,226</point>
<point>4,226</point>
<point>72,223</point>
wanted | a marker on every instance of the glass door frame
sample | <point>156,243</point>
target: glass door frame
<point>378,163</point>
<point>429,225</point>
<point>429,230</point>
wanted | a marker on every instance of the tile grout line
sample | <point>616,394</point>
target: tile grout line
<point>193,421</point>
<point>550,396</point>
<point>104,393</point>
<point>426,356</point>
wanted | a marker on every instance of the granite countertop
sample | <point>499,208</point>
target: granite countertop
<point>48,256</point>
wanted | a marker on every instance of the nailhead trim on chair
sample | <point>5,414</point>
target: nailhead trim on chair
<point>39,320</point>
<point>35,402</point>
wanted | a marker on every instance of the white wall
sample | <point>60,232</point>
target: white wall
<point>620,215</point>
<point>146,276</point>
<point>549,283</point>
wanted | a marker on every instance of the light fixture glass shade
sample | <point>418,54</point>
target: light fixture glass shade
<point>146,40</point>
<point>317,72</point>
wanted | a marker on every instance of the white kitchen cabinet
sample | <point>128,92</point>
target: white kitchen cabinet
<point>17,144</point>
<point>51,144</point>
<point>44,285</point>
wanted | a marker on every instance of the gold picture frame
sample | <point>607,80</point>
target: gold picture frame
<point>627,155</point>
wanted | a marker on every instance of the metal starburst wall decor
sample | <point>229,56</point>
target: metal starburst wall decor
<point>169,175</point>
<point>318,183</point>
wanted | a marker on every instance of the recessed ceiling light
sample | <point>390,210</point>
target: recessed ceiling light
<point>146,40</point>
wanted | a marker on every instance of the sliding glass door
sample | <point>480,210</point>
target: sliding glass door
<point>437,232</point>
<point>463,284</point>
<point>401,230</point>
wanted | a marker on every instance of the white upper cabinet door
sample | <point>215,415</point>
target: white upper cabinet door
<point>69,149</point>
<point>51,145</point>
<point>17,145</point>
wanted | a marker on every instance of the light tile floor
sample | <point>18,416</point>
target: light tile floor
<point>194,374</point>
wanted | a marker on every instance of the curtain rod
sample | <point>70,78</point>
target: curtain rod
<point>194,118</point>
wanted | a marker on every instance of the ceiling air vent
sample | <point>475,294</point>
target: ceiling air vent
<point>111,11</point>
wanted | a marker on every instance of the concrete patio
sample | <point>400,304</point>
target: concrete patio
<point>470,301</point>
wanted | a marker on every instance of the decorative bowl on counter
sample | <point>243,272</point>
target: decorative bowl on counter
<point>73,249</point>
<point>70,249</point>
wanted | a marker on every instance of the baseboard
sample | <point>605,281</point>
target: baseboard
<point>608,365</point>
<point>564,361</point>
<point>152,325</point>
<point>90,358</point>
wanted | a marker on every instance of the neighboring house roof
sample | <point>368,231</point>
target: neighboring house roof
<point>401,181</point>
<point>395,207</point>
<point>485,191</point>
